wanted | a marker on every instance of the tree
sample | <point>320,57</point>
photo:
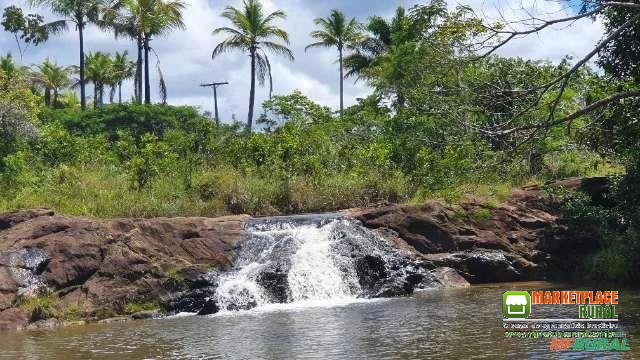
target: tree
<point>52,78</point>
<point>99,72</point>
<point>337,31</point>
<point>621,56</point>
<point>124,20</point>
<point>122,69</point>
<point>622,18</point>
<point>255,33</point>
<point>383,34</point>
<point>30,29</point>
<point>80,13</point>
<point>154,18</point>
<point>10,68</point>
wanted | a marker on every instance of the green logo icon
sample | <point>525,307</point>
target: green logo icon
<point>516,304</point>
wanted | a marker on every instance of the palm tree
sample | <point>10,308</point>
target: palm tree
<point>122,69</point>
<point>52,78</point>
<point>253,32</point>
<point>337,31</point>
<point>10,68</point>
<point>123,21</point>
<point>80,13</point>
<point>153,18</point>
<point>99,72</point>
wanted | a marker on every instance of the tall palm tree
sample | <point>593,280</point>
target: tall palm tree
<point>99,72</point>
<point>80,13</point>
<point>122,69</point>
<point>255,33</point>
<point>336,31</point>
<point>52,78</point>
<point>154,18</point>
<point>382,35</point>
<point>122,20</point>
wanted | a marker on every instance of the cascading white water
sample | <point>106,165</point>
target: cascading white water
<point>304,249</point>
<point>308,259</point>
<point>313,274</point>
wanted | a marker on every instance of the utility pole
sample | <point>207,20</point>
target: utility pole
<point>215,96</point>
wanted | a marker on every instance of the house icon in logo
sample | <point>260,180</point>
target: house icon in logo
<point>516,304</point>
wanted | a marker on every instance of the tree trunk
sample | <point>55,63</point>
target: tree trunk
<point>252,93</point>
<point>83,95</point>
<point>55,97</point>
<point>47,97</point>
<point>120,93</point>
<point>138,80</point>
<point>95,95</point>
<point>341,82</point>
<point>147,83</point>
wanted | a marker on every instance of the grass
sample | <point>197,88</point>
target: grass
<point>135,307</point>
<point>47,306</point>
<point>105,191</point>
<point>41,307</point>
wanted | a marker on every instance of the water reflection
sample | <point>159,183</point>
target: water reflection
<point>452,324</point>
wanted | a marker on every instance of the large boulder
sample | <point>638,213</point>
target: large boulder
<point>102,265</point>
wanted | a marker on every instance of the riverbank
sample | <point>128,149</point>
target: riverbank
<point>71,268</point>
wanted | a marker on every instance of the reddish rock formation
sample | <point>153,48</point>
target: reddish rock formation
<point>102,265</point>
<point>105,264</point>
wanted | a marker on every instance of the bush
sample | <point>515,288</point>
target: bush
<point>41,307</point>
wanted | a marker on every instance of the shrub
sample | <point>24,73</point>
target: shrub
<point>41,307</point>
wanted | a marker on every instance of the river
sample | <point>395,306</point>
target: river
<point>443,324</point>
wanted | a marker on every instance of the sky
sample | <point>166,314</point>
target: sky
<point>186,55</point>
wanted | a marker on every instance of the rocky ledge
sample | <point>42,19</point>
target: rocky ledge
<point>70,267</point>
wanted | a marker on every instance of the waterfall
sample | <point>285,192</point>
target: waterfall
<point>317,259</point>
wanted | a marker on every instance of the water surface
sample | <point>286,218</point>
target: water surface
<point>449,324</point>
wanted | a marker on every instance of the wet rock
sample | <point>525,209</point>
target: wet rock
<point>275,283</point>
<point>192,301</point>
<point>48,324</point>
<point>372,274</point>
<point>210,307</point>
<point>28,258</point>
<point>449,278</point>
<point>13,319</point>
<point>113,320</point>
<point>143,315</point>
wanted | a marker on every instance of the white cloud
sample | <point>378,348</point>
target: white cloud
<point>186,55</point>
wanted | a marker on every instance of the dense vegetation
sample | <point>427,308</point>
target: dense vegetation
<point>443,121</point>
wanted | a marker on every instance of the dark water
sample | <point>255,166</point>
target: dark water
<point>451,324</point>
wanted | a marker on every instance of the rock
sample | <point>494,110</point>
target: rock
<point>210,307</point>
<point>112,320</point>
<point>10,219</point>
<point>372,273</point>
<point>48,324</point>
<point>143,315</point>
<point>450,278</point>
<point>192,301</point>
<point>13,319</point>
<point>74,323</point>
<point>101,264</point>
<point>274,281</point>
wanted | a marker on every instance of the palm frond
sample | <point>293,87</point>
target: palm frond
<point>278,49</point>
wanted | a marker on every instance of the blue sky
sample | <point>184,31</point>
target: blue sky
<point>186,62</point>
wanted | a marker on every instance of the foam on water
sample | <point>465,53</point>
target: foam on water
<point>308,252</point>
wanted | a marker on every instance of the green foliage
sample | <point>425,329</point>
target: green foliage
<point>135,307</point>
<point>482,214</point>
<point>41,307</point>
